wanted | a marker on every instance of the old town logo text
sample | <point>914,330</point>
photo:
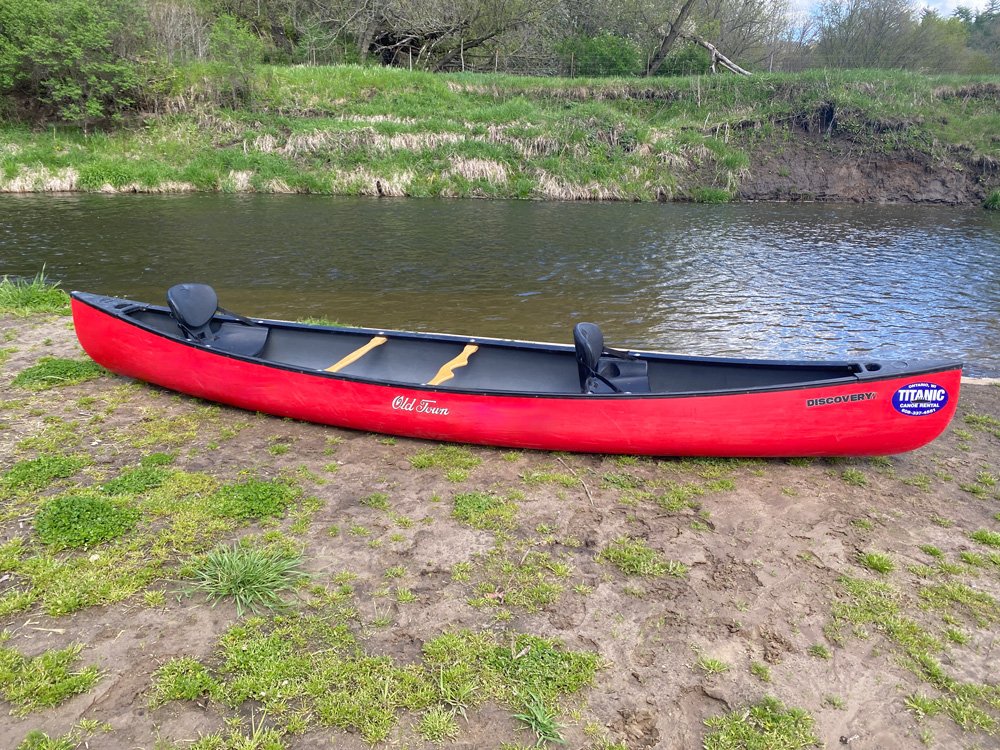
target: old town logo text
<point>423,406</point>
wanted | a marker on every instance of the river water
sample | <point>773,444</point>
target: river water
<point>755,280</point>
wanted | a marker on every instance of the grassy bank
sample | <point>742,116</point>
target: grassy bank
<point>180,575</point>
<point>377,131</point>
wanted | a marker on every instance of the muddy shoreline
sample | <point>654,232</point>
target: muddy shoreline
<point>766,548</point>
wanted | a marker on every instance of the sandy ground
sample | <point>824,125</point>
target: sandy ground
<point>765,550</point>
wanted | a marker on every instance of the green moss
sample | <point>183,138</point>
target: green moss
<point>52,372</point>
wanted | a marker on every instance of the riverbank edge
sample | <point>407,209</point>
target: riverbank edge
<point>856,136</point>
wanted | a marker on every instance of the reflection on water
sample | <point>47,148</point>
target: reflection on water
<point>789,281</point>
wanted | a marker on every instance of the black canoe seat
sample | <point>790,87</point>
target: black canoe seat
<point>194,307</point>
<point>605,370</point>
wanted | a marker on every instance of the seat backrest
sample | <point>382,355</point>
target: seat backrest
<point>193,305</point>
<point>589,342</point>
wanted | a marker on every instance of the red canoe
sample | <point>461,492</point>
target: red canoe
<point>519,394</point>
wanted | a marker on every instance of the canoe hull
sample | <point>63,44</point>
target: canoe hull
<point>855,419</point>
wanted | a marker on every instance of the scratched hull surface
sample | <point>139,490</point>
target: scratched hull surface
<point>528,395</point>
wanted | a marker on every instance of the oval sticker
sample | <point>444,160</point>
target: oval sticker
<point>919,399</point>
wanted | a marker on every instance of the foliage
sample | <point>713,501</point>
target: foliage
<point>19,296</point>
<point>82,519</point>
<point>992,202</point>
<point>603,55</point>
<point>74,59</point>
<point>633,557</point>
<point>183,678</point>
<point>51,372</point>
<point>236,51</point>
<point>37,473</point>
<point>253,577</point>
<point>485,510</point>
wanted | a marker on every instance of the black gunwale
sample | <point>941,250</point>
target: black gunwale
<point>121,308</point>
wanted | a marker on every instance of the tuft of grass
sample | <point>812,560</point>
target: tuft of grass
<point>438,724</point>
<point>854,477</point>
<point>531,582</point>
<point>52,372</point>
<point>710,665</point>
<point>82,519</point>
<point>633,557</point>
<point>761,671</point>
<point>253,577</point>
<point>984,536</point>
<point>21,297</point>
<point>376,500</point>
<point>992,202</point>
<point>819,651</point>
<point>877,561</point>
<point>542,720</point>
<point>456,460</point>
<point>766,725</point>
<point>253,498</point>
<point>44,681</point>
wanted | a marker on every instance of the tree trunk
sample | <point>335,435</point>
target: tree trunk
<point>670,38</point>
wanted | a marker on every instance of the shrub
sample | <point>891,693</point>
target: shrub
<point>602,55</point>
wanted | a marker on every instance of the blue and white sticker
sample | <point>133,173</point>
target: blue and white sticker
<point>919,399</point>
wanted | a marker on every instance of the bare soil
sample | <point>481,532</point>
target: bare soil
<point>764,561</point>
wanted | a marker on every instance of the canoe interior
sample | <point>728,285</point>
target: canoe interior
<point>505,366</point>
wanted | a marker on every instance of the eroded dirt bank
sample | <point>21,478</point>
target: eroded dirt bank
<point>860,591</point>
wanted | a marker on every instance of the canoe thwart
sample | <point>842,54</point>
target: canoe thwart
<point>447,371</point>
<point>357,354</point>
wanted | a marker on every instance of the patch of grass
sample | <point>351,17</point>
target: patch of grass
<point>254,498</point>
<point>621,480</point>
<point>82,519</point>
<point>877,561</point>
<point>531,582</point>
<point>766,725</point>
<point>634,557</point>
<point>183,678</point>
<point>438,724</point>
<point>44,681</point>
<point>253,577</point>
<point>986,537</point>
<point>376,500</point>
<point>854,477</point>
<point>710,665</point>
<point>930,549</point>
<point>38,473</point>
<point>761,671</point>
<point>485,510</point>
<point>819,651</point>
<point>456,460</point>
<point>136,481</point>
<point>679,497</point>
<point>52,372</point>
<point>23,297</point>
<point>992,202</point>
<point>952,595</point>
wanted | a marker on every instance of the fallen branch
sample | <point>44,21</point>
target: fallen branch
<point>717,56</point>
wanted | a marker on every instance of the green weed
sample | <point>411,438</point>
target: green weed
<point>540,719</point>
<point>986,537</point>
<point>710,665</point>
<point>253,498</point>
<point>531,582</point>
<point>82,520</point>
<point>761,671</point>
<point>454,459</point>
<point>52,372</point>
<point>438,724</point>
